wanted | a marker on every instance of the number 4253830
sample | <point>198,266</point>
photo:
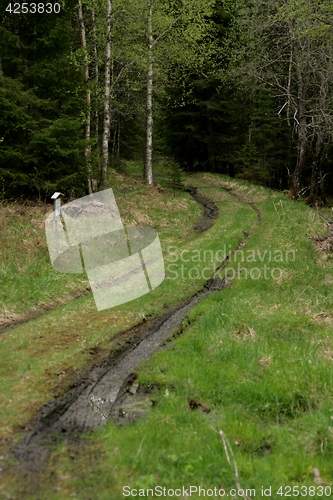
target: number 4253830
<point>33,8</point>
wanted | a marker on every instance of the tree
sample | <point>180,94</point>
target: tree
<point>190,16</point>
<point>206,115</point>
<point>87,150</point>
<point>41,100</point>
<point>107,117</point>
<point>285,49</point>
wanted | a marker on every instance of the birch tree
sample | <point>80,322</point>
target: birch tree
<point>107,110</point>
<point>191,14</point>
<point>87,148</point>
<point>149,140</point>
<point>114,33</point>
<point>149,106</point>
<point>96,68</point>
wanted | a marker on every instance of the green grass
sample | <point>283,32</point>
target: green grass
<point>43,357</point>
<point>258,355</point>
<point>26,277</point>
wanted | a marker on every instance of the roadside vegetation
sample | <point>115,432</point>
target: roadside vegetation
<point>43,357</point>
<point>253,360</point>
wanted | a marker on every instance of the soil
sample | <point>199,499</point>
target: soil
<point>210,210</point>
<point>100,394</point>
<point>109,389</point>
<point>12,320</point>
<point>324,244</point>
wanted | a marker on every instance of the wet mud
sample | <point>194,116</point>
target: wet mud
<point>101,394</point>
<point>210,210</point>
<point>110,391</point>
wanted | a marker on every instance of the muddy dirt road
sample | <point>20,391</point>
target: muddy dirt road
<point>102,393</point>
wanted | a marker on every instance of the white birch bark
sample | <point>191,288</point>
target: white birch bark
<point>149,144</point>
<point>87,148</point>
<point>150,75</point>
<point>96,73</point>
<point>107,110</point>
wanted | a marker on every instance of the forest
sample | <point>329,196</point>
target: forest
<point>243,88</point>
<point>211,122</point>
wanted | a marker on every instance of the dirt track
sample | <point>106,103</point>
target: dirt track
<point>103,393</point>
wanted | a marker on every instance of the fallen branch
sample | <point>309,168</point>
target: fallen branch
<point>326,218</point>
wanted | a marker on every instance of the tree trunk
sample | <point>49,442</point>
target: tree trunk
<point>315,178</point>
<point>107,111</point>
<point>118,144</point>
<point>320,130</point>
<point>96,77</point>
<point>149,143</point>
<point>301,150</point>
<point>87,148</point>
<point>302,94</point>
<point>148,171</point>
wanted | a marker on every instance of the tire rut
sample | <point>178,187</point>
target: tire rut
<point>14,320</point>
<point>100,394</point>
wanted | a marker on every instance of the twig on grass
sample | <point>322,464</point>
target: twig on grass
<point>140,447</point>
<point>326,218</point>
<point>308,286</point>
<point>228,450</point>
<point>329,222</point>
